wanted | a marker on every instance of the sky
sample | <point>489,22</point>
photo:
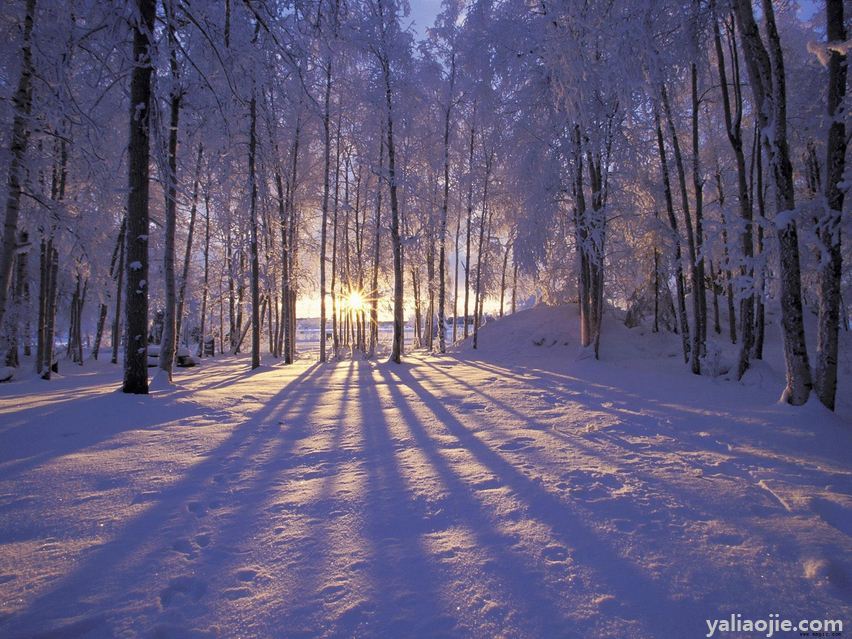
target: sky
<point>423,14</point>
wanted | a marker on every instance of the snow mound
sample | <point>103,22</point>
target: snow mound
<point>541,326</point>
<point>544,330</point>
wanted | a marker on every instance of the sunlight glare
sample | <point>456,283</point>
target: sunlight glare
<point>355,302</point>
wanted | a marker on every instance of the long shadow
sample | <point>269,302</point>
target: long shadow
<point>243,375</point>
<point>642,598</point>
<point>541,612</point>
<point>654,414</point>
<point>254,519</point>
<point>89,418</point>
<point>704,479</point>
<point>405,582</point>
<point>85,422</point>
<point>646,411</point>
<point>307,613</point>
<point>580,398</point>
<point>120,556</point>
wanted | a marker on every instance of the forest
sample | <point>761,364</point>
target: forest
<point>538,256</point>
<point>319,153</point>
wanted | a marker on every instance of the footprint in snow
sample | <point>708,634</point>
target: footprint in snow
<point>726,539</point>
<point>246,574</point>
<point>181,588</point>
<point>184,547</point>
<point>196,508</point>
<point>519,443</point>
<point>148,495</point>
<point>554,554</point>
<point>487,484</point>
<point>332,593</point>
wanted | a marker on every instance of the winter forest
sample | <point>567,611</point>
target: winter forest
<point>457,318</point>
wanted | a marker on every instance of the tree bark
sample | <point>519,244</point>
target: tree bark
<point>831,268</point>
<point>114,268</point>
<point>480,255</point>
<point>396,243</point>
<point>696,348</point>
<point>136,250</point>
<point>255,263</point>
<point>22,105</point>
<point>733,125</point>
<point>187,254</point>
<point>678,258</point>
<point>326,123</point>
<point>442,258</point>
<point>766,72</point>
<point>205,290</point>
<point>374,288</point>
<point>469,220</point>
<point>168,342</point>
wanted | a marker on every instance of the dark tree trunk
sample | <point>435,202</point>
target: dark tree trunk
<point>678,258</point>
<point>255,263</point>
<point>831,269</point>
<point>766,72</point>
<point>168,342</point>
<point>205,290</point>
<point>22,105</point>
<point>136,305</point>
<point>697,284</point>
<point>188,250</point>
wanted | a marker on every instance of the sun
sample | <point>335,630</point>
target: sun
<point>355,301</point>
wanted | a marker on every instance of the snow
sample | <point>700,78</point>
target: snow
<point>516,491</point>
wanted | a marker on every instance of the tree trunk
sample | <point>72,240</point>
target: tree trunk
<point>697,347</point>
<point>717,326</point>
<point>469,221</point>
<point>698,191</point>
<point>255,263</point>
<point>119,287</point>
<point>766,72</point>
<point>733,125</point>
<point>188,250</point>
<point>136,305</point>
<point>326,123</point>
<point>114,269</point>
<point>374,287</point>
<point>729,279</point>
<point>168,342</point>
<point>825,378</point>
<point>22,105</point>
<point>289,235</point>
<point>514,282</point>
<point>478,299</point>
<point>503,275</point>
<point>442,240</point>
<point>396,243</point>
<point>205,290</point>
<point>229,266</point>
<point>678,259</point>
<point>50,298</point>
<point>335,338</point>
<point>758,197</point>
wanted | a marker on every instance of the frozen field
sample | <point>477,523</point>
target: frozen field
<point>513,491</point>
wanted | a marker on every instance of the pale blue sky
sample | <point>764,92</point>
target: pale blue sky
<point>423,14</point>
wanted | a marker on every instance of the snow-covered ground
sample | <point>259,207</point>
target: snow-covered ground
<point>513,491</point>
